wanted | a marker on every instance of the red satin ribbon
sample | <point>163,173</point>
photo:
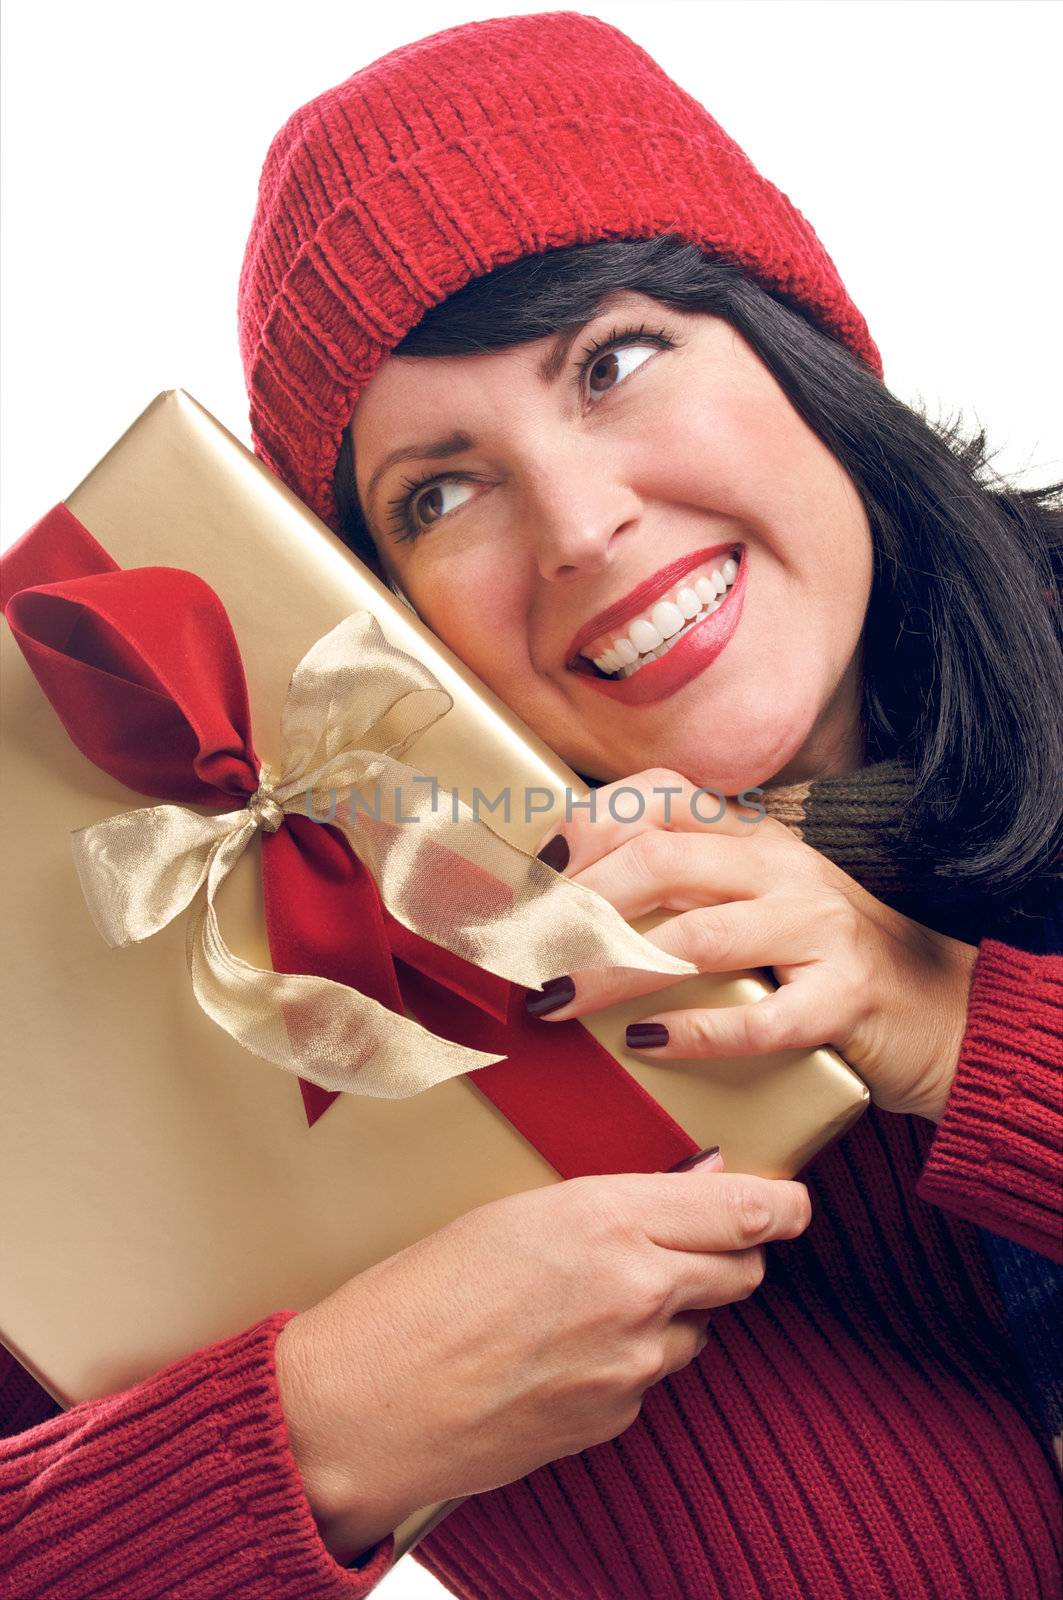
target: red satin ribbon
<point>144,671</point>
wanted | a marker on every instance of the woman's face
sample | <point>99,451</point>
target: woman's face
<point>585,496</point>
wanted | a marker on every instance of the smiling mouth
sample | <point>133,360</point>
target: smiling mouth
<point>648,634</point>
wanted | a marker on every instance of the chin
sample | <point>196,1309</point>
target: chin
<point>728,764</point>
<point>731,781</point>
<point>727,779</point>
<point>729,773</point>
<point>738,762</point>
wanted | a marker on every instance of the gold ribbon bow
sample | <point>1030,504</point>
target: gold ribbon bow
<point>140,869</point>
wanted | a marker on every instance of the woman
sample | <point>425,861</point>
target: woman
<point>633,1405</point>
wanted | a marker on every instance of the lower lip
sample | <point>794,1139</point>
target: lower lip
<point>695,651</point>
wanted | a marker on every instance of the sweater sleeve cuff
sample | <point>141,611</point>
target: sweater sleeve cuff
<point>186,1481</point>
<point>996,1157</point>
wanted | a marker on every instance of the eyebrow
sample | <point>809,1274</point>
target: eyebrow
<point>452,444</point>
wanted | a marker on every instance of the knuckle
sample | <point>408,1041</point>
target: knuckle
<point>642,1289</point>
<point>843,915</point>
<point>697,1032</point>
<point>702,1333</point>
<point>708,934</point>
<point>750,1214</point>
<point>752,1266</point>
<point>662,777</point>
<point>766,1029</point>
<point>648,1365</point>
<point>653,852</point>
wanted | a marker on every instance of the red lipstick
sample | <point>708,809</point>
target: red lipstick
<point>696,650</point>
<point>641,598</point>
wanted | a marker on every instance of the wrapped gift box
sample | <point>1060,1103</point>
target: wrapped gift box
<point>162,1187</point>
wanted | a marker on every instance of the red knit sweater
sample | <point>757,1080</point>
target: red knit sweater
<point>860,1426</point>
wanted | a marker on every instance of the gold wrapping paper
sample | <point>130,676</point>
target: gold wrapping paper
<point>160,1185</point>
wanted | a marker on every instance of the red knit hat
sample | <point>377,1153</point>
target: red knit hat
<point>453,155</point>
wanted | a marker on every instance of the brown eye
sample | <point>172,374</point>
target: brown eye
<point>431,503</point>
<point>603,371</point>
<point>423,507</point>
<point>607,366</point>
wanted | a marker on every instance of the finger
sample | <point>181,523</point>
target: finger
<point>775,930</point>
<point>684,1337</point>
<point>655,869</point>
<point>695,1216</point>
<point>704,1283</point>
<point>577,994</point>
<point>655,798</point>
<point>736,937</point>
<point>801,1015</point>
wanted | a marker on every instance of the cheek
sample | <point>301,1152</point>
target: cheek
<point>478,609</point>
<point>730,455</point>
<point>751,457</point>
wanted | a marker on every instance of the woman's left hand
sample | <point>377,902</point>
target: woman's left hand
<point>888,994</point>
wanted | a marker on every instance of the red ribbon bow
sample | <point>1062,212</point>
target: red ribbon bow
<point>143,668</point>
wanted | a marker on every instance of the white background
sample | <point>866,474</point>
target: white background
<point>918,136</point>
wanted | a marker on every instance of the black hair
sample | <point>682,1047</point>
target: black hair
<point>962,657</point>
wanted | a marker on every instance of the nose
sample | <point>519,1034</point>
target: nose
<point>577,514</point>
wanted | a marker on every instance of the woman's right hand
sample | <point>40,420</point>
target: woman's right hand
<point>525,1330</point>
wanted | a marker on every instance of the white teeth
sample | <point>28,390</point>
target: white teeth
<point>644,636</point>
<point>663,649</point>
<point>666,618</point>
<point>669,621</point>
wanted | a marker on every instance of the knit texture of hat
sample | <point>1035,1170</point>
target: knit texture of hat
<point>456,154</point>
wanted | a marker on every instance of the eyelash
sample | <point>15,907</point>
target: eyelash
<point>399,508</point>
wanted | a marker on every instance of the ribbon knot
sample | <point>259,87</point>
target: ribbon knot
<point>446,878</point>
<point>263,807</point>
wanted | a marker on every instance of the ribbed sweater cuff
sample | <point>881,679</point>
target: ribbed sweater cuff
<point>997,1156</point>
<point>185,1484</point>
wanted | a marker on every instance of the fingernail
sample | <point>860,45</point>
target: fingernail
<point>551,997</point>
<point>645,1035</point>
<point>695,1160</point>
<point>555,852</point>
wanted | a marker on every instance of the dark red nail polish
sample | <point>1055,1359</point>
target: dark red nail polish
<point>645,1035</point>
<point>555,852</point>
<point>551,997</point>
<point>692,1161</point>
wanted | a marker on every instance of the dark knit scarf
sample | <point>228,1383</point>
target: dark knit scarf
<point>860,821</point>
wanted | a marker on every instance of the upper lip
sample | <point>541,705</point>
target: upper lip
<point>639,598</point>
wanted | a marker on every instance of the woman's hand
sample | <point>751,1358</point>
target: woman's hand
<point>524,1330</point>
<point>887,993</point>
